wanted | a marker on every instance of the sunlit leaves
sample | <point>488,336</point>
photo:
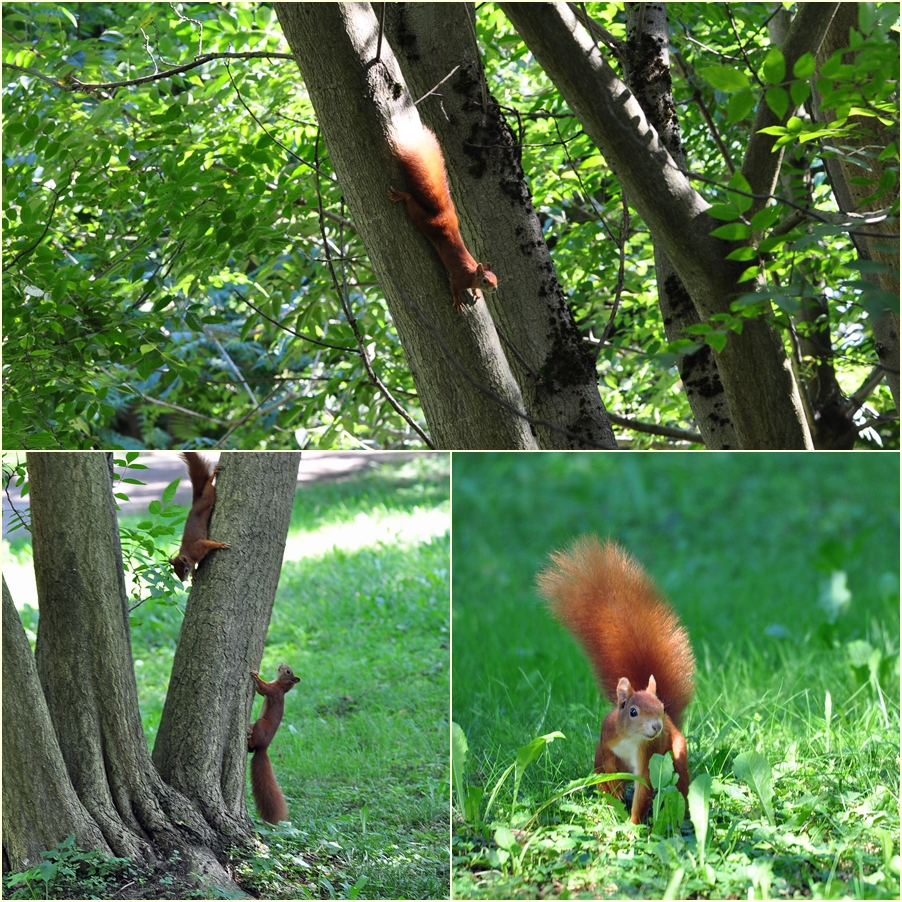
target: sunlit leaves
<point>725,78</point>
<point>773,69</point>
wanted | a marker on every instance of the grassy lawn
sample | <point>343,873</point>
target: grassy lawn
<point>784,568</point>
<point>361,615</point>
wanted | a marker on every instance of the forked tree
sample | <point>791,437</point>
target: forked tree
<point>75,756</point>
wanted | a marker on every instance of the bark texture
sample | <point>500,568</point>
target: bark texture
<point>761,392</point>
<point>85,667</point>
<point>40,805</point>
<point>468,393</point>
<point>647,61</point>
<point>201,746</point>
<point>544,348</point>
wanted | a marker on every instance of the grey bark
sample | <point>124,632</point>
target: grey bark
<point>761,392</point>
<point>40,805</point>
<point>647,61</point>
<point>468,393</point>
<point>849,197</point>
<point>201,745</point>
<point>84,661</point>
<point>545,351</point>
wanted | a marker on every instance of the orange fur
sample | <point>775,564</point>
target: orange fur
<point>431,208</point>
<point>268,796</point>
<point>640,654</point>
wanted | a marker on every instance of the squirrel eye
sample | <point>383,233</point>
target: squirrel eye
<point>634,712</point>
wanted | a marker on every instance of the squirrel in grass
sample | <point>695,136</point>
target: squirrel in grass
<point>430,207</point>
<point>267,796</point>
<point>195,544</point>
<point>640,654</point>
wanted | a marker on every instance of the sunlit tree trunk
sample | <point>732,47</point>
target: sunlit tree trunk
<point>762,395</point>
<point>647,61</point>
<point>201,745</point>
<point>80,761</point>
<point>40,805</point>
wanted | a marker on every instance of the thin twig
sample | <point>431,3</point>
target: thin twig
<point>621,273</point>
<point>343,297</point>
<point>284,328</point>
<point>655,429</point>
<point>70,83</point>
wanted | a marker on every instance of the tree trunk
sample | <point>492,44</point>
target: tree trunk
<point>762,395</point>
<point>842,173</point>
<point>40,805</point>
<point>86,672</point>
<point>648,76</point>
<point>201,746</point>
<point>546,353</point>
<point>469,395</point>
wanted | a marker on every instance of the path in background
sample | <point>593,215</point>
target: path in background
<point>166,466</point>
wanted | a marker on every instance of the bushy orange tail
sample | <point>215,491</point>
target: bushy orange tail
<point>423,160</point>
<point>268,798</point>
<point>610,604</point>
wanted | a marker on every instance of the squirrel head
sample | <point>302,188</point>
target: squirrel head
<point>286,676</point>
<point>182,566</point>
<point>640,710</point>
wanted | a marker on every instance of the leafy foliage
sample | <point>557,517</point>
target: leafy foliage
<point>163,251</point>
<point>794,730</point>
<point>179,268</point>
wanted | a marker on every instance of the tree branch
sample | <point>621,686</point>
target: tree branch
<point>761,165</point>
<point>71,84</point>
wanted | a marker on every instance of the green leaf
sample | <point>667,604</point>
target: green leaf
<point>765,218</point>
<point>804,66</point>
<point>740,105</point>
<point>699,798</point>
<point>753,769</point>
<point>743,253</point>
<point>723,211</point>
<point>734,231</point>
<point>867,17</point>
<point>742,201</point>
<point>773,70</point>
<point>725,78</point>
<point>778,100</point>
<point>459,751</point>
<point>717,340</point>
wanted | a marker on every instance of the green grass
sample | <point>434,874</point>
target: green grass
<point>361,615</point>
<point>745,546</point>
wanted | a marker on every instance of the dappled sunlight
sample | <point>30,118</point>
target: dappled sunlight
<point>367,530</point>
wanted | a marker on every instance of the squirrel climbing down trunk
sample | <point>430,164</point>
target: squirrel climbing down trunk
<point>268,798</point>
<point>430,207</point>
<point>195,544</point>
<point>640,653</point>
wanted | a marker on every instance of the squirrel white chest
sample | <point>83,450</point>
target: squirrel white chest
<point>627,750</point>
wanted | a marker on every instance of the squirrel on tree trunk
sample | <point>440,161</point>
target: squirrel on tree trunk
<point>195,544</point>
<point>268,796</point>
<point>430,207</point>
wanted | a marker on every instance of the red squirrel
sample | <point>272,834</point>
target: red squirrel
<point>430,207</point>
<point>195,544</point>
<point>640,654</point>
<point>267,796</point>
